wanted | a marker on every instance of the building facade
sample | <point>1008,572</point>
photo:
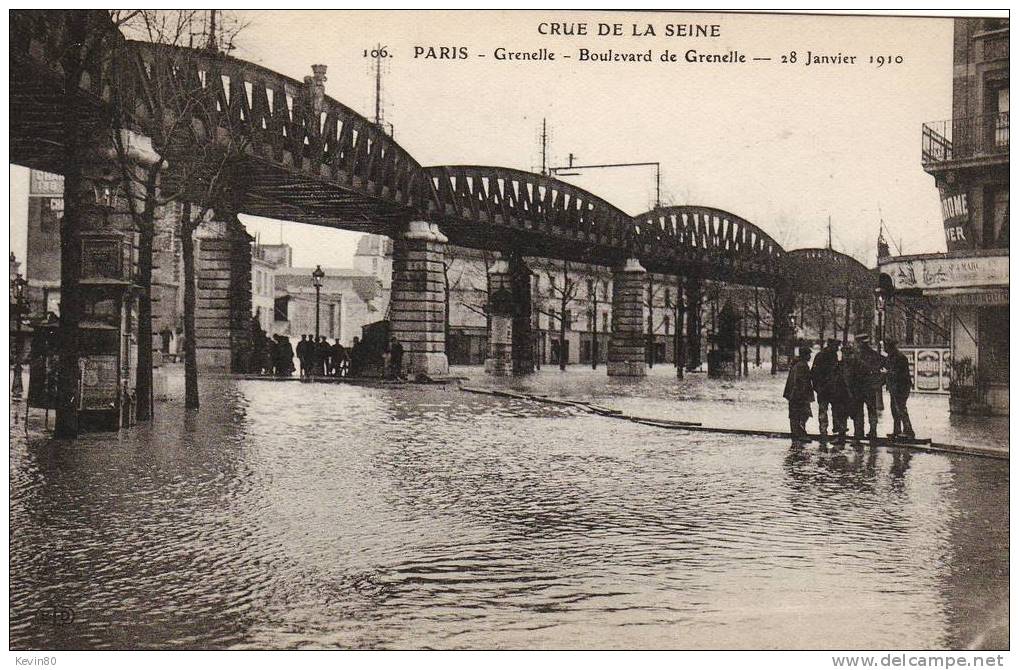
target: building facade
<point>347,301</point>
<point>968,157</point>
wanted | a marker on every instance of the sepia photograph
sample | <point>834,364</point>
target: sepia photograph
<point>504,330</point>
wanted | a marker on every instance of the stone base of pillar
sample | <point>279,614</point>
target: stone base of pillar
<point>626,345</point>
<point>500,361</point>
<point>417,305</point>
<point>213,360</point>
<point>433,364</point>
<point>626,369</point>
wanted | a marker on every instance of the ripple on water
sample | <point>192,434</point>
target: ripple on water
<point>301,515</point>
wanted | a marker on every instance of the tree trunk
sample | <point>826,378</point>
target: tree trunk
<point>757,328</point>
<point>445,325</point>
<point>70,235</point>
<point>563,354</point>
<point>845,323</point>
<point>70,300</point>
<point>650,322</point>
<point>143,380</point>
<point>187,232</point>
<point>679,346</point>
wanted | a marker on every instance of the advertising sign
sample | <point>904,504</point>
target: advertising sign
<point>948,273</point>
<point>99,376</point>
<point>955,214</point>
<point>928,370</point>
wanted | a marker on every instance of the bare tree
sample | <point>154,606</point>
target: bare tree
<point>468,280</point>
<point>181,116</point>
<point>88,38</point>
<point>563,290</point>
<point>651,301</point>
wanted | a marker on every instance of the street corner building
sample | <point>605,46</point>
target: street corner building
<point>968,157</point>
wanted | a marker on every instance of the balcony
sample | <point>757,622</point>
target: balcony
<point>967,140</point>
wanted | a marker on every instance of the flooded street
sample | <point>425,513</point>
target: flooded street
<point>292,515</point>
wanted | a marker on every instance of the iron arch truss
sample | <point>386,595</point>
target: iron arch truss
<point>538,213</point>
<point>828,272</point>
<point>306,157</point>
<point>707,242</point>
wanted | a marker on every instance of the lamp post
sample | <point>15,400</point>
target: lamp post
<point>18,285</point>
<point>316,280</point>
<point>879,297</point>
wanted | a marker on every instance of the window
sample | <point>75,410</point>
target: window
<point>665,322</point>
<point>996,222</point>
<point>605,321</point>
<point>568,317</point>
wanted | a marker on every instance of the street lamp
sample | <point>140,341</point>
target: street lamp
<point>879,297</point>
<point>18,285</point>
<point>316,280</point>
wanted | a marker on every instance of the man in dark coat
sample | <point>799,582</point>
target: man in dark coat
<point>286,356</point>
<point>855,378</point>
<point>821,373</point>
<point>800,393</point>
<point>302,355</point>
<point>871,362</point>
<point>900,381</point>
<point>324,353</point>
<point>395,358</point>
<point>356,357</point>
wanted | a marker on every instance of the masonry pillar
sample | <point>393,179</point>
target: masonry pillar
<point>223,306</point>
<point>501,341</point>
<point>418,300</point>
<point>627,344</point>
<point>523,310</point>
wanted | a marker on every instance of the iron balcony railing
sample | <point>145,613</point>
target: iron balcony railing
<point>964,138</point>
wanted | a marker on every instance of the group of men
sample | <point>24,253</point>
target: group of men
<point>320,359</point>
<point>848,385</point>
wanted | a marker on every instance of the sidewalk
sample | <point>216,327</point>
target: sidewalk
<point>754,403</point>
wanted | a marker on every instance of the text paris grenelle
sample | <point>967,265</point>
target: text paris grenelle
<point>614,55</point>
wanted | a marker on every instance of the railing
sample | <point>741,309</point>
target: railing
<point>966,137</point>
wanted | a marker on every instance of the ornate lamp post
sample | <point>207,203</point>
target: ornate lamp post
<point>316,280</point>
<point>18,285</point>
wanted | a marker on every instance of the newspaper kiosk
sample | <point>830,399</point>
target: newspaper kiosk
<point>108,339</point>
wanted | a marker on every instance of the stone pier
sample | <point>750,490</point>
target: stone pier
<point>626,346</point>
<point>499,361</point>
<point>223,306</point>
<point>418,302</point>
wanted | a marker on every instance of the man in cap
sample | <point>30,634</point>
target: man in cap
<point>854,380</point>
<point>899,385</point>
<point>799,392</point>
<point>871,362</point>
<point>827,384</point>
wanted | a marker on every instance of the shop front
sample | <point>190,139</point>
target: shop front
<point>973,286</point>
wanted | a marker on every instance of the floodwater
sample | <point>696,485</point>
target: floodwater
<point>294,515</point>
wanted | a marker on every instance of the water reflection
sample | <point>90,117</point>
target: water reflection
<point>304,515</point>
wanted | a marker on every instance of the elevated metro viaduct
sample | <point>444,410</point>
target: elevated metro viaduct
<point>295,154</point>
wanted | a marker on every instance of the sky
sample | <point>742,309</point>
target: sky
<point>785,146</point>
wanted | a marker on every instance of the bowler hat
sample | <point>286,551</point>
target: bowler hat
<point>862,337</point>
<point>832,340</point>
<point>805,352</point>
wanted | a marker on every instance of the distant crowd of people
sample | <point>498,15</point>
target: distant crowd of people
<point>274,356</point>
<point>848,385</point>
